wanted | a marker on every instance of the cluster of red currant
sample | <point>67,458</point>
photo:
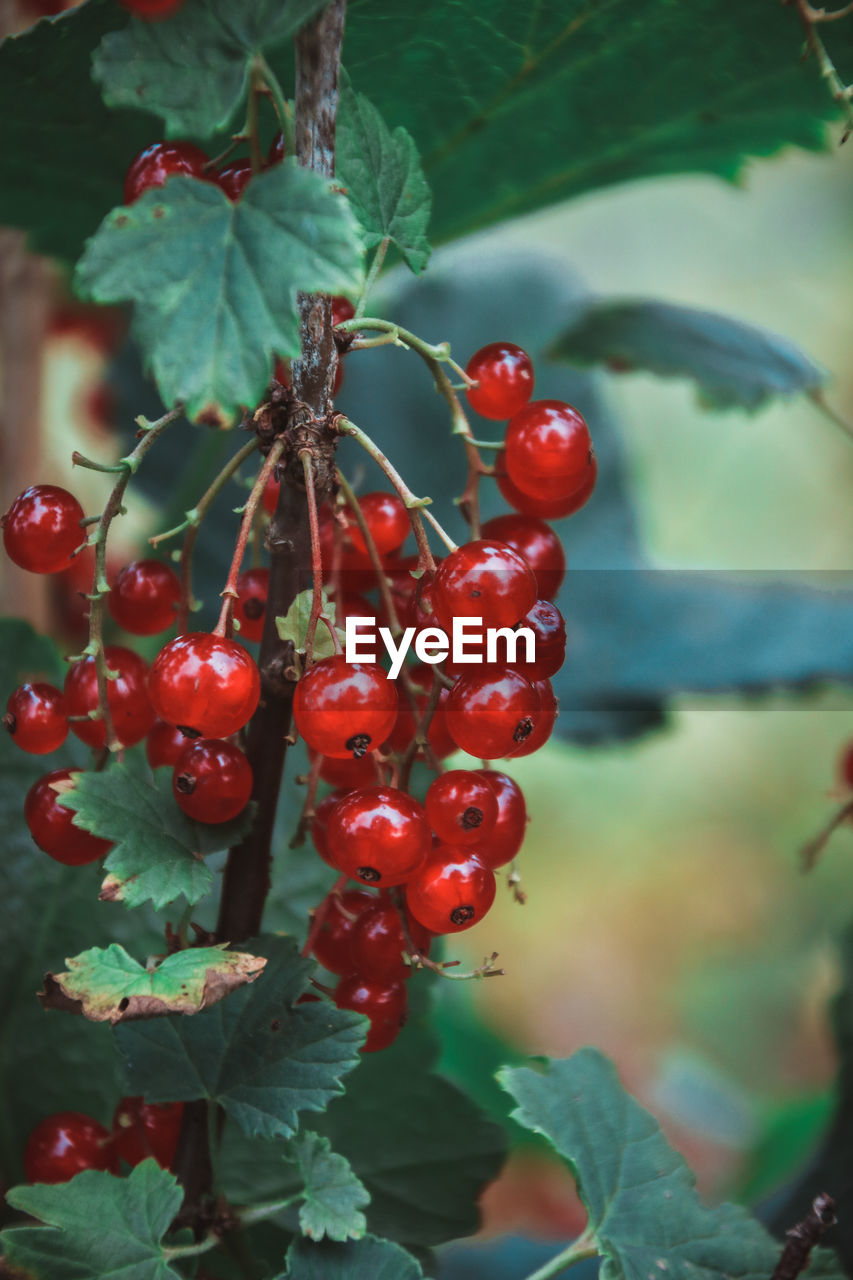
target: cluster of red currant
<point>69,1142</point>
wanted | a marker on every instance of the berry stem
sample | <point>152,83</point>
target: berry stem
<point>318,613</point>
<point>419,738</point>
<point>256,88</point>
<point>229,593</point>
<point>812,850</point>
<point>312,782</point>
<point>841,92</point>
<point>421,960</point>
<point>280,103</point>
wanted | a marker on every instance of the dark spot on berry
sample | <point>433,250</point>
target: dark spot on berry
<point>358,744</point>
<point>370,874</point>
<point>523,729</point>
<point>123,1003</point>
<point>10,723</point>
<point>474,595</point>
<point>471,818</point>
<point>188,732</point>
<point>461,915</point>
<point>254,609</point>
<point>185,783</point>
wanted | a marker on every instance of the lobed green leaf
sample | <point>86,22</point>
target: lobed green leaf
<point>333,1195</point>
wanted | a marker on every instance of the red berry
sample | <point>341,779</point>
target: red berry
<point>276,153</point>
<point>546,506</point>
<point>384,1003</point>
<point>347,773</point>
<point>212,781</point>
<point>144,1129</point>
<point>342,309</point>
<point>206,684</point>
<point>544,725</point>
<point>507,836</point>
<point>163,160</point>
<point>127,697</point>
<point>51,823</point>
<point>42,528</point>
<point>251,604</point>
<point>320,824</point>
<point>452,892</point>
<point>164,744</point>
<point>489,713</point>
<point>387,520</point>
<point>547,443</point>
<point>505,374</point>
<point>36,719</point>
<point>378,835</point>
<point>233,178</point>
<point>269,497</point>
<point>846,765</point>
<point>549,633</point>
<point>537,544</point>
<point>378,943</point>
<point>344,708</point>
<point>461,808</point>
<point>66,1144</point>
<point>333,940</point>
<point>483,579</point>
<point>144,597</point>
<point>152,10</point>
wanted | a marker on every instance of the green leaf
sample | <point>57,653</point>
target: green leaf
<point>368,1259</point>
<point>194,69</point>
<point>644,1214</point>
<point>215,284</point>
<point>383,177</point>
<point>733,364</point>
<point>132,1214</point>
<point>158,852</point>
<point>294,625</point>
<point>108,985</point>
<point>258,1054</point>
<point>333,1194</point>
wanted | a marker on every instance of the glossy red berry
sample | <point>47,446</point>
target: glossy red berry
<point>548,448</point>
<point>164,744</point>
<point>51,823</point>
<point>206,684</point>
<point>144,1129</point>
<point>537,544</point>
<point>339,913</point>
<point>144,597</point>
<point>320,823</point>
<point>251,604</point>
<point>461,808</point>
<point>490,713</point>
<point>483,579</point>
<point>36,719</point>
<point>234,178</point>
<point>153,10</point>
<point>378,835</point>
<point>378,943</point>
<point>344,708</point>
<point>549,634</point>
<point>452,892</point>
<point>276,153</point>
<point>42,528</point>
<point>384,1003</point>
<point>159,162</point>
<point>507,835</point>
<point>387,520</point>
<point>65,1144</point>
<point>212,780</point>
<point>342,309</point>
<point>127,697</point>
<point>505,374</point>
<point>545,505</point>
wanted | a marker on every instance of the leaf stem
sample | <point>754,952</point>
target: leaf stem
<point>372,275</point>
<point>584,1247</point>
<point>190,1250</point>
<point>259,1212</point>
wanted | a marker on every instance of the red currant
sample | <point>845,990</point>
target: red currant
<point>546,507</point>
<point>276,153</point>
<point>51,823</point>
<point>333,940</point>
<point>344,708</point>
<point>378,835</point>
<point>378,943</point>
<point>505,374</point>
<point>66,1144</point>
<point>537,544</point>
<point>507,835</point>
<point>144,1129</point>
<point>347,773</point>
<point>233,179</point>
<point>127,697</point>
<point>342,309</point>
<point>144,597</point>
<point>549,633</point>
<point>41,529</point>
<point>387,520</point>
<point>164,744</point>
<point>548,448</point>
<point>461,808</point>
<point>452,892</point>
<point>163,160</point>
<point>846,765</point>
<point>251,604</point>
<point>489,714</point>
<point>320,824</point>
<point>212,781</point>
<point>384,1003</point>
<point>36,719</point>
<point>206,684</point>
<point>152,10</point>
<point>544,725</point>
<point>483,579</point>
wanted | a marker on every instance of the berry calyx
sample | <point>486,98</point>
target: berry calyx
<point>251,604</point>
<point>127,698</point>
<point>548,448</point>
<point>378,943</point>
<point>461,808</point>
<point>159,162</point>
<point>51,823</point>
<point>384,1003</point>
<point>144,597</point>
<point>452,892</point>
<point>378,835</point>
<point>489,714</point>
<point>507,835</point>
<point>204,684</point>
<point>546,506</point>
<point>36,719</point>
<point>333,940</point>
<point>212,780</point>
<point>537,544</point>
<point>144,1129</point>
<point>344,709</point>
<point>505,374</point>
<point>65,1144</point>
<point>164,744</point>
<point>42,530</point>
<point>483,579</point>
<point>549,710</point>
